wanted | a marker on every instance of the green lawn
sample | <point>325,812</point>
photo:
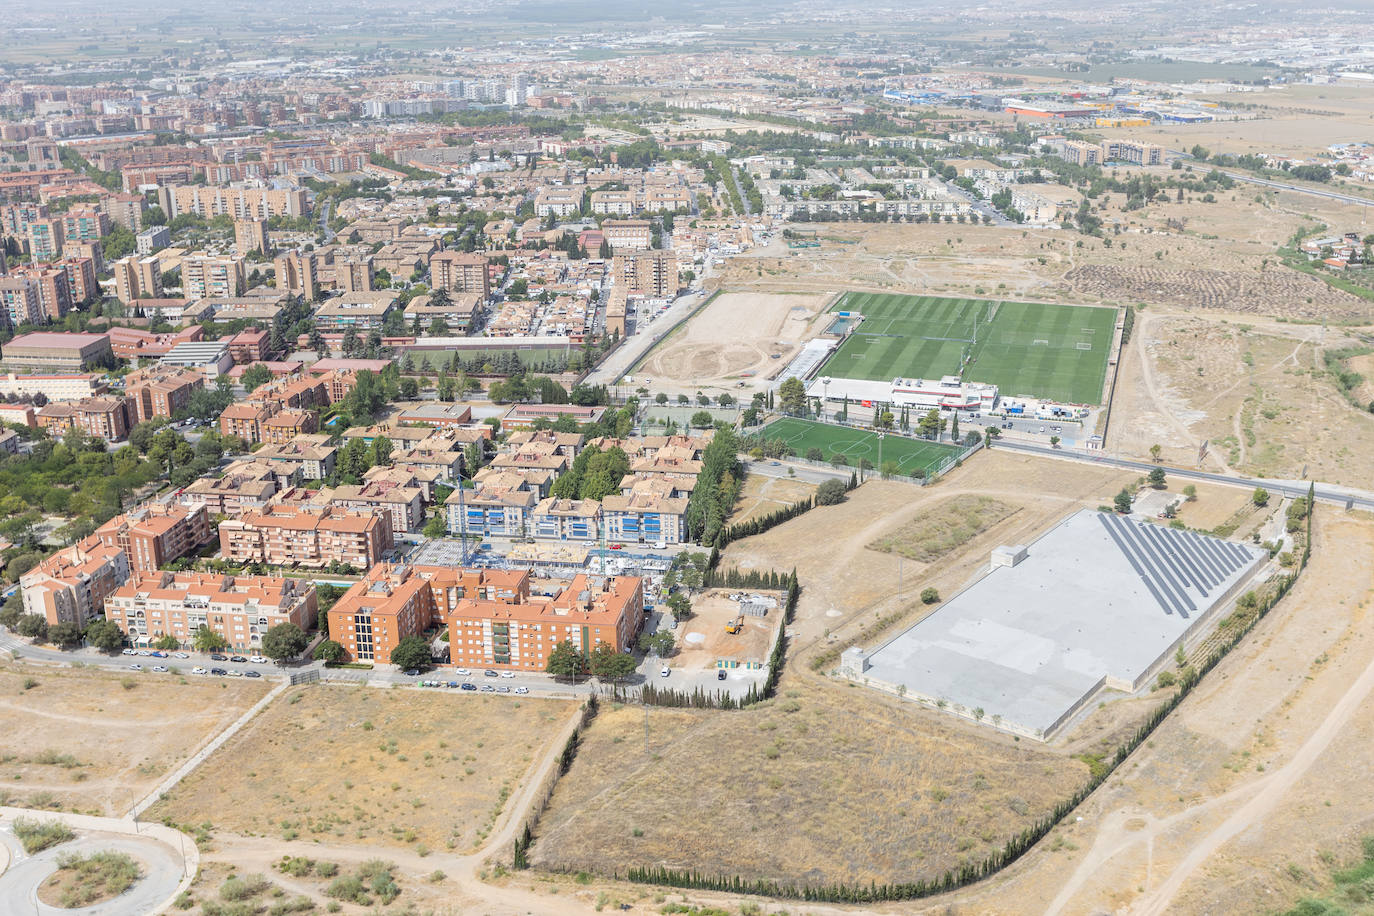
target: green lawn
<point>1025,348</point>
<point>856,444</point>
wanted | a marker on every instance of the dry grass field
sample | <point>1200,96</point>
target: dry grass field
<point>944,527</point>
<point>1219,255</point>
<point>96,742</point>
<point>821,784</point>
<point>370,767</point>
<point>762,494</point>
<point>1258,393</point>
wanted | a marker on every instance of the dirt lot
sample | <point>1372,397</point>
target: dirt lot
<point>1258,393</point>
<point>762,494</point>
<point>734,338</point>
<point>774,791</point>
<point>702,639</point>
<point>1194,254</point>
<point>376,768</point>
<point>79,739</point>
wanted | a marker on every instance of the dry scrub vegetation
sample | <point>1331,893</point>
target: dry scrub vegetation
<point>822,784</point>
<point>68,738</point>
<point>947,525</point>
<point>372,767</point>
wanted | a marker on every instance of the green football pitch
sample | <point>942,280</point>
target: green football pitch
<point>1033,349</point>
<point>855,444</point>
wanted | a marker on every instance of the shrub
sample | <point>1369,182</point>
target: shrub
<point>929,596</point>
<point>37,836</point>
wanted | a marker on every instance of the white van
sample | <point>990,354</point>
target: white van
<point>665,672</point>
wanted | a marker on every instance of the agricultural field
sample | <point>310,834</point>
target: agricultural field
<point>368,767</point>
<point>911,455</point>
<point>1025,348</point>
<point>67,741</point>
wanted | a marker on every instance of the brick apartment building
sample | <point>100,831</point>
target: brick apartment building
<point>520,634</point>
<point>155,534</point>
<point>72,585</point>
<point>393,602</point>
<point>306,536</point>
<point>239,608</point>
<point>107,418</point>
<point>157,392</point>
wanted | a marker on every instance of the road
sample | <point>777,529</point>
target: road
<point>1285,186</point>
<point>636,345</point>
<point>805,472</point>
<point>1342,496</point>
<point>161,852</point>
<point>324,221</point>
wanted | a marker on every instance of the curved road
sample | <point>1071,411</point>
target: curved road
<point>161,865</point>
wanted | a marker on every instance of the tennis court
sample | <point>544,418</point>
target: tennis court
<point>910,455</point>
<point>1058,352</point>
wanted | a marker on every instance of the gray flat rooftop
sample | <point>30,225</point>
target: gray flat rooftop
<point>1098,596</point>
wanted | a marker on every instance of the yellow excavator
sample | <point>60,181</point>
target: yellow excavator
<point>735,625</point>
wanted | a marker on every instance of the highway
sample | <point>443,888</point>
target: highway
<point>1342,496</point>
<point>1284,186</point>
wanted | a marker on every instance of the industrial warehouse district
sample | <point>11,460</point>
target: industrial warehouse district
<point>713,459</point>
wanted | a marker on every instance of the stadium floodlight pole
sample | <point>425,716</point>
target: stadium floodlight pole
<point>825,392</point>
<point>880,453</point>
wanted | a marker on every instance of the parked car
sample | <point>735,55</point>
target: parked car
<point>489,673</point>
<point>251,674</point>
<point>259,659</point>
<point>487,688</point>
<point>130,652</point>
<point>216,657</point>
<point>144,652</point>
<point>218,672</point>
<point>665,672</point>
<point>720,674</point>
<point>159,654</point>
<point>522,690</point>
<point>469,686</point>
<point>159,667</point>
<point>412,672</point>
<point>508,674</point>
<point>135,667</point>
<point>462,671</point>
<point>237,658</point>
<point>235,673</point>
<point>180,655</point>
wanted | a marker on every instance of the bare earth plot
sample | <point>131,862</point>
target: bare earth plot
<point>763,494</point>
<point>1258,393</point>
<point>79,739</point>
<point>735,337</point>
<point>1188,253</point>
<point>370,767</point>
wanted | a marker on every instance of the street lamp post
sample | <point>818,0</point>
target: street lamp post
<point>825,394</point>
<point>880,453</point>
